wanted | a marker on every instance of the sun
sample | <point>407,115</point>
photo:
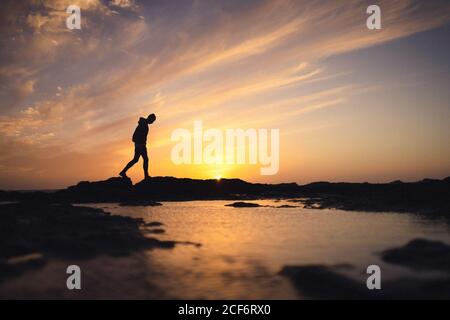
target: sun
<point>218,178</point>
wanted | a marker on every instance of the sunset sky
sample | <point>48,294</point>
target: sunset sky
<point>351,104</point>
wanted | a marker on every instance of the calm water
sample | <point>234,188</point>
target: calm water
<point>243,249</point>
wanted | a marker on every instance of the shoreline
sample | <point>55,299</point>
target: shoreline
<point>428,197</point>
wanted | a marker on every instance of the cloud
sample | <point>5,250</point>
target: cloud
<point>123,3</point>
<point>23,90</point>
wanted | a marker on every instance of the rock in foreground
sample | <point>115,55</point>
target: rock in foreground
<point>328,282</point>
<point>421,254</point>
<point>41,231</point>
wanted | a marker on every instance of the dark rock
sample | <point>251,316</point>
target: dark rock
<point>326,282</point>
<point>170,188</point>
<point>428,197</point>
<point>140,203</point>
<point>66,232</point>
<point>323,282</point>
<point>154,224</point>
<point>240,204</point>
<point>17,265</point>
<point>112,190</point>
<point>287,206</point>
<point>420,254</point>
<point>156,231</point>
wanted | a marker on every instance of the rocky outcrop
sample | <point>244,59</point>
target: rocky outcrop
<point>32,233</point>
<point>330,283</point>
<point>428,196</point>
<point>170,188</point>
<point>111,190</point>
<point>420,254</point>
<point>241,204</point>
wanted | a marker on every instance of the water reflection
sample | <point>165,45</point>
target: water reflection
<point>243,249</point>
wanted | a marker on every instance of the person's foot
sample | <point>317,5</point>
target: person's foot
<point>147,177</point>
<point>123,174</point>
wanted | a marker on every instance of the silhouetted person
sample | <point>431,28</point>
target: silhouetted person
<point>140,145</point>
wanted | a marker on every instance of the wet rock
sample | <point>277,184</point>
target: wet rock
<point>241,204</point>
<point>287,206</point>
<point>17,265</point>
<point>140,203</point>
<point>327,282</point>
<point>156,231</point>
<point>323,282</point>
<point>420,254</point>
<point>66,232</point>
<point>154,224</point>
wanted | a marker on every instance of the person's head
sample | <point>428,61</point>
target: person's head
<point>151,118</point>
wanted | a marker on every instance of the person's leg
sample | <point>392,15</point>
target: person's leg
<point>145,158</point>
<point>135,159</point>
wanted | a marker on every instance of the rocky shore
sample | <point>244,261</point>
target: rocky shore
<point>418,254</point>
<point>428,196</point>
<point>33,233</point>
